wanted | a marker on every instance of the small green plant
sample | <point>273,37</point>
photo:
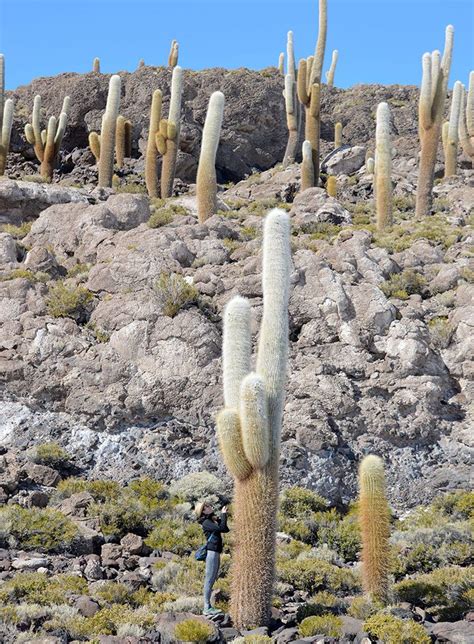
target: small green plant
<point>393,630</point>
<point>193,630</point>
<point>39,588</point>
<point>100,489</point>
<point>18,232</point>
<point>175,536</point>
<point>441,332</point>
<point>362,607</point>
<point>402,285</point>
<point>160,218</point>
<point>46,530</point>
<point>313,575</point>
<point>26,274</point>
<point>328,625</point>
<point>78,269</point>
<point>50,454</point>
<point>296,502</point>
<point>112,592</point>
<point>68,301</point>
<point>174,293</point>
<point>322,230</point>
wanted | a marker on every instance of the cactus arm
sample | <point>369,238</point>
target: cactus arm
<point>151,157</point>
<point>281,63</point>
<point>332,70</point>
<point>383,192</point>
<point>302,87</point>
<point>254,421</point>
<point>66,105</point>
<point>447,52</point>
<point>96,65</point>
<point>120,140</point>
<point>307,169</point>
<point>291,108</point>
<point>36,123</point>
<point>236,349</point>
<point>29,134</point>
<point>337,135</point>
<point>435,58</point>
<point>290,54</point>
<point>230,443</point>
<point>7,122</point>
<point>49,158</point>
<point>470,106</point>
<point>452,138</point>
<point>425,101</point>
<point>466,141</point>
<point>172,145</point>
<point>2,87</point>
<point>62,123</point>
<point>317,67</point>
<point>174,54</point>
<point>206,182</point>
<point>107,138</point>
<point>94,144</point>
<point>444,136</point>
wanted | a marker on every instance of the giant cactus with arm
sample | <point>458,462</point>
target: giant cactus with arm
<point>167,137</point>
<point>249,426</point>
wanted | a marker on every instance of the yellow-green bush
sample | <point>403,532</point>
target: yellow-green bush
<point>38,588</point>
<point>26,274</point>
<point>173,293</point>
<point>458,505</point>
<point>193,630</point>
<point>113,592</point>
<point>362,607</point>
<point>320,604</point>
<point>18,232</point>
<point>402,285</point>
<point>312,575</point>
<point>393,630</point>
<point>68,301</point>
<point>50,454</point>
<point>105,622</point>
<point>175,536</point>
<point>296,502</point>
<point>100,489</point>
<point>46,530</point>
<point>328,625</point>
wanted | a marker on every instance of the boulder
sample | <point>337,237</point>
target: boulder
<point>344,160</point>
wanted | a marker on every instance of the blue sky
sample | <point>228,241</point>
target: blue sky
<point>379,41</point>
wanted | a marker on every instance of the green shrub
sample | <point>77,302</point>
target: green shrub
<point>46,530</point>
<point>173,293</point>
<point>296,502</point>
<point>321,230</point>
<point>362,607</point>
<point>313,575</point>
<point>193,630</point>
<point>78,269</point>
<point>105,622</point>
<point>459,505</point>
<point>160,218</point>
<point>50,454</point>
<point>402,285</point>
<point>68,301</point>
<point>25,274</point>
<point>18,232</point>
<point>441,332</point>
<point>100,489</point>
<point>175,536</point>
<point>328,625</point>
<point>320,604</point>
<point>253,639</point>
<point>393,630</point>
<point>198,486</point>
<point>38,588</point>
<point>112,592</point>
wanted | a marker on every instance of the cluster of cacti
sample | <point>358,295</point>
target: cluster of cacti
<point>96,65</point>
<point>167,137</point>
<point>103,146</point>
<point>337,135</point>
<point>123,140</point>
<point>383,168</point>
<point>309,85</point>
<point>307,167</point>
<point>174,54</point>
<point>332,70</point>
<point>466,119</point>
<point>374,520</point>
<point>47,143</point>
<point>431,108</point>
<point>6,118</point>
<point>206,183</point>
<point>249,426</point>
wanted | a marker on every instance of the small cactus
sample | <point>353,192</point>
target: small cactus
<point>174,54</point>
<point>374,519</point>
<point>151,157</point>
<point>103,146</point>
<point>167,138</point>
<point>307,168</point>
<point>466,119</point>
<point>206,183</point>
<point>370,165</point>
<point>47,142</point>
<point>452,131</point>
<point>96,65</point>
<point>332,69</point>
<point>123,140</point>
<point>331,186</point>
<point>337,135</point>
<point>383,168</point>
<point>141,63</point>
<point>6,118</point>
<point>430,116</point>
<point>281,63</point>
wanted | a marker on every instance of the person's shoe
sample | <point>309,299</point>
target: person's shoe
<point>212,612</point>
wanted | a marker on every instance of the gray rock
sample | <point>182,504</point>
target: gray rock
<point>93,570</point>
<point>8,254</point>
<point>345,160</point>
<point>460,632</point>
<point>132,543</point>
<point>30,562</point>
<point>86,606</point>
<point>41,474</point>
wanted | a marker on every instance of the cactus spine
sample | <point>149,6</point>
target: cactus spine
<point>466,119</point>
<point>250,425</point>
<point>96,65</point>
<point>332,69</point>
<point>206,183</point>
<point>337,135</point>
<point>309,83</point>
<point>174,54</point>
<point>47,143</point>
<point>307,168</point>
<point>374,519</point>
<point>452,132</point>
<point>281,63</point>
<point>383,164</point>
<point>293,116</point>
<point>151,157</point>
<point>6,118</point>
<point>103,146</point>
<point>430,112</point>
<point>167,139</point>
<point>331,186</point>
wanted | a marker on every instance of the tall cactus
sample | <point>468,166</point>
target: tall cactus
<point>174,54</point>
<point>337,135</point>
<point>47,143</point>
<point>466,119</point>
<point>452,133</point>
<point>206,183</point>
<point>167,139</point>
<point>433,90</point>
<point>96,65</point>
<point>103,146</point>
<point>383,168</point>
<point>6,118</point>
<point>151,156</point>
<point>281,63</point>
<point>307,168</point>
<point>374,519</point>
<point>292,107</point>
<point>309,84</point>
<point>332,70</point>
<point>331,186</point>
<point>249,426</point>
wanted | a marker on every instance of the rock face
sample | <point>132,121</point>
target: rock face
<point>132,386</point>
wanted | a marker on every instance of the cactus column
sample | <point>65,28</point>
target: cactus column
<point>47,142</point>
<point>206,183</point>
<point>431,108</point>
<point>383,168</point>
<point>337,135</point>
<point>452,133</point>
<point>103,146</point>
<point>466,119</point>
<point>151,157</point>
<point>293,116</point>
<point>168,136</point>
<point>6,118</point>
<point>249,427</point>
<point>307,168</point>
<point>374,519</point>
<point>332,69</point>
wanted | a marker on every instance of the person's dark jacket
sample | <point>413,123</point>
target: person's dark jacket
<point>213,529</point>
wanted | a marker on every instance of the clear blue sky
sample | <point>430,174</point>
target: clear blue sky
<point>379,41</point>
